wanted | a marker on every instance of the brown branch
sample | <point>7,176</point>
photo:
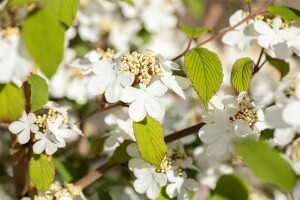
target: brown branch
<point>220,34</point>
<point>100,171</point>
<point>257,65</point>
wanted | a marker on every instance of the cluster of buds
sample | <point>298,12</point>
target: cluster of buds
<point>246,112</point>
<point>165,165</point>
<point>295,156</point>
<point>9,31</point>
<point>52,115</point>
<point>144,65</point>
<point>57,191</point>
<point>109,54</point>
<point>269,20</point>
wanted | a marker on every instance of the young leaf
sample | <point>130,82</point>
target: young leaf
<point>241,74</point>
<point>193,32</point>
<point>150,140</point>
<point>44,38</point>
<point>12,3</point>
<point>196,7</point>
<point>282,66</point>
<point>204,69</point>
<point>231,187</point>
<point>41,172</point>
<point>39,92</point>
<point>287,13</point>
<point>64,10</point>
<point>267,164</point>
<point>105,194</point>
<point>266,134</point>
<point>163,194</point>
<point>12,102</point>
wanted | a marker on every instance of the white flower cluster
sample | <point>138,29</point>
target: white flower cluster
<point>230,119</point>
<point>149,179</point>
<point>50,128</point>
<point>279,37</point>
<point>130,78</point>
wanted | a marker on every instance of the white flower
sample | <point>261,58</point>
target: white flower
<point>53,138</point>
<point>293,40</point>
<point>109,81</point>
<point>145,100</point>
<point>179,186</point>
<point>274,37</point>
<point>231,120</point>
<point>23,127</point>
<point>243,35</point>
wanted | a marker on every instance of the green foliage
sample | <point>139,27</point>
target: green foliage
<point>39,92</point>
<point>282,66</point>
<point>163,195</point>
<point>44,38</point>
<point>63,171</point>
<point>195,6</point>
<point>150,140</point>
<point>204,69</point>
<point>241,74</point>
<point>193,32</point>
<point>64,10</point>
<point>287,13</point>
<point>12,102</point>
<point>267,164</point>
<point>120,155</point>
<point>97,145</point>
<point>217,197</point>
<point>12,3</point>
<point>231,187</point>
<point>41,172</point>
<point>266,134</point>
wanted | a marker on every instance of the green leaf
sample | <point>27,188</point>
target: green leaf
<point>282,66</point>
<point>120,155</point>
<point>44,38</point>
<point>41,172</point>
<point>63,171</point>
<point>193,32</point>
<point>204,68</point>
<point>266,134</point>
<point>195,6</point>
<point>97,145</point>
<point>150,140</point>
<point>287,13</point>
<point>267,164</point>
<point>241,74</point>
<point>217,197</point>
<point>105,194</point>
<point>163,194</point>
<point>231,187</point>
<point>12,3</point>
<point>39,92</point>
<point>64,10</point>
<point>12,102</point>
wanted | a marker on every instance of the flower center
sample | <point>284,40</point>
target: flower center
<point>143,65</point>
<point>165,165</point>
<point>107,55</point>
<point>295,156</point>
<point>246,113</point>
<point>269,20</point>
<point>52,115</point>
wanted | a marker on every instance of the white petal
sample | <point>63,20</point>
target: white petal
<point>63,133</point>
<point>103,68</point>
<point>190,184</point>
<point>284,136</point>
<point>24,136</point>
<point>157,89</point>
<point>130,94</point>
<point>51,148</point>
<point>31,118</point>
<point>219,147</point>
<point>39,146</point>
<point>264,41</point>
<point>241,128</point>
<point>171,190</point>
<point>137,110</point>
<point>297,91</point>
<point>16,127</point>
<point>93,56</point>
<point>153,191</point>
<point>97,85</point>
<point>274,117</point>
<point>141,185</point>
<point>291,113</point>
<point>155,108</point>
<point>277,23</point>
<point>171,83</point>
<point>160,178</point>
<point>263,28</point>
<point>126,78</point>
<point>39,136</point>
<point>113,92</point>
<point>34,128</point>
<point>209,133</point>
<point>231,38</point>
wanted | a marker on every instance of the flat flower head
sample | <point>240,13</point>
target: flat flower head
<point>23,127</point>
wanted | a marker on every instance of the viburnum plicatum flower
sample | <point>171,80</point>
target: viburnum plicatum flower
<point>145,100</point>
<point>179,185</point>
<point>24,126</point>
<point>232,118</point>
<point>241,36</point>
<point>109,80</point>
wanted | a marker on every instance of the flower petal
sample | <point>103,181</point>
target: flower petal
<point>130,94</point>
<point>39,146</point>
<point>284,136</point>
<point>126,78</point>
<point>155,108</point>
<point>16,127</point>
<point>51,148</point>
<point>291,113</point>
<point>113,92</point>
<point>137,110</point>
<point>24,136</point>
<point>157,89</point>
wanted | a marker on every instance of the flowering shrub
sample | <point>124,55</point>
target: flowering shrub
<point>103,99</point>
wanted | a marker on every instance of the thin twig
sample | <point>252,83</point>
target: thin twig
<point>257,65</point>
<point>100,171</point>
<point>186,50</point>
<point>249,7</point>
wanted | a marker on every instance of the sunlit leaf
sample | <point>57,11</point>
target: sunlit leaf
<point>241,74</point>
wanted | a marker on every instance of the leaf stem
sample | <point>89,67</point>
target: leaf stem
<point>257,65</point>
